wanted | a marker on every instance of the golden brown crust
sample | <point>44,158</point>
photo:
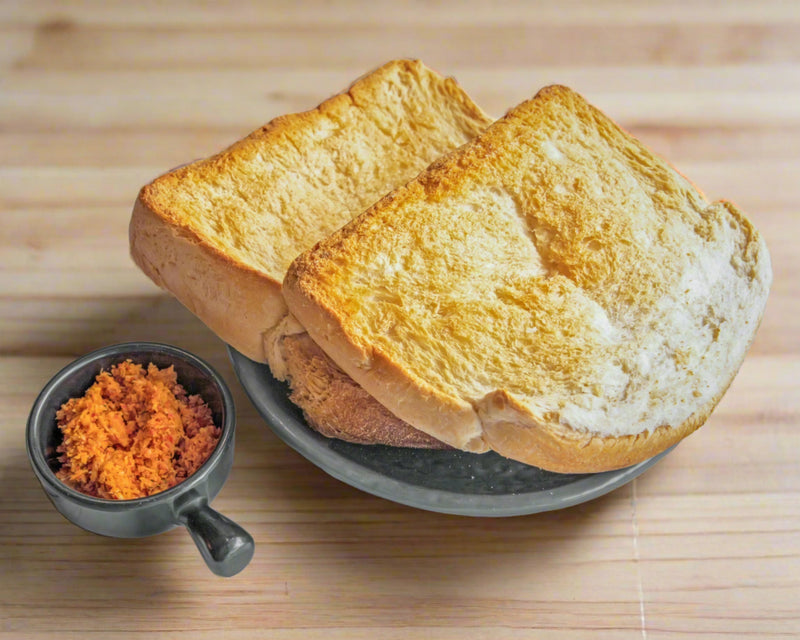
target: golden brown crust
<point>511,432</point>
<point>552,290</point>
<point>337,407</point>
<point>229,297</point>
<point>411,399</point>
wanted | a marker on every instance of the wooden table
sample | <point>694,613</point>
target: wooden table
<point>96,98</point>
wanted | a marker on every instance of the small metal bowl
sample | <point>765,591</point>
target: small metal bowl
<point>224,545</point>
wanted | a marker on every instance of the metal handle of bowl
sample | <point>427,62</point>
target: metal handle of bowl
<point>225,546</point>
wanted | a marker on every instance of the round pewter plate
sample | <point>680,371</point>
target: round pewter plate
<point>455,482</point>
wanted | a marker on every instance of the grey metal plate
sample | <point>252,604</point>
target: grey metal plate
<point>456,482</point>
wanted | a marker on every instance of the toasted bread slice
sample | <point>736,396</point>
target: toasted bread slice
<point>219,233</point>
<point>553,291</point>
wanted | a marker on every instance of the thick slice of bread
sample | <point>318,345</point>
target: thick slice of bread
<point>553,291</point>
<point>219,233</point>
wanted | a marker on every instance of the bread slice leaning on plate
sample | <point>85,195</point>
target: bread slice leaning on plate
<point>552,291</point>
<point>219,233</point>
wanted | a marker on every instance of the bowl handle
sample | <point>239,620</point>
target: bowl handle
<point>225,546</point>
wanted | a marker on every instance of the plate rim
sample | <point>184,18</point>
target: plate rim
<point>308,444</point>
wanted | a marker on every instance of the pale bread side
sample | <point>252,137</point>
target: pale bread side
<point>553,291</point>
<point>219,233</point>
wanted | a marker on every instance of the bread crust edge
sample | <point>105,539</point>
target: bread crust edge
<point>235,301</point>
<point>446,418</point>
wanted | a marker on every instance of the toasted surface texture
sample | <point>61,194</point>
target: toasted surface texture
<point>553,291</point>
<point>219,233</point>
<point>337,406</point>
<point>254,207</point>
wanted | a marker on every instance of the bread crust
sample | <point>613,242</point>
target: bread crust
<point>413,401</point>
<point>324,288</point>
<point>510,430</point>
<point>229,297</point>
<point>335,406</point>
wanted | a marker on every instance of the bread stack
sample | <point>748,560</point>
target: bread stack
<point>543,286</point>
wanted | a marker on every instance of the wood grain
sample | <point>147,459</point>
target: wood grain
<point>98,97</point>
